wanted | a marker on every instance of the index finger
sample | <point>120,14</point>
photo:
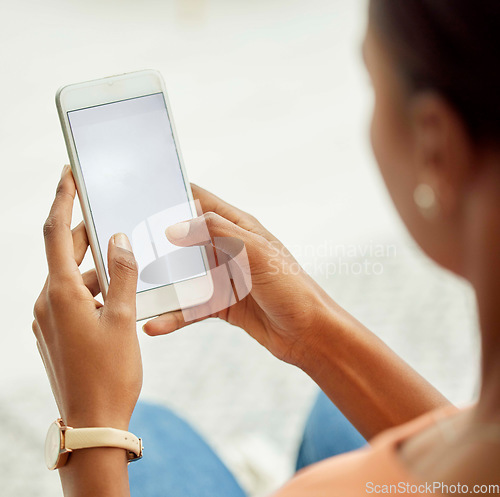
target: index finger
<point>211,203</point>
<point>57,228</point>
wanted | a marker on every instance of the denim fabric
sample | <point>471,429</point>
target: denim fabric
<point>177,462</point>
<point>327,433</point>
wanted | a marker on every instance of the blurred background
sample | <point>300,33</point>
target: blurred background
<point>272,106</point>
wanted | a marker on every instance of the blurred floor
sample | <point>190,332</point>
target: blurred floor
<point>271,105</point>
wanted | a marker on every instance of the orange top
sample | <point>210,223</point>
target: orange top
<point>372,470</point>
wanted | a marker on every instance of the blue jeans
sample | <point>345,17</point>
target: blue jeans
<point>179,463</point>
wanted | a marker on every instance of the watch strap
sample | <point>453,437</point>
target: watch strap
<point>85,438</point>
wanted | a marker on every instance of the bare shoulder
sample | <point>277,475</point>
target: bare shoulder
<point>450,451</point>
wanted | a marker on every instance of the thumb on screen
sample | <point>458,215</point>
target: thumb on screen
<point>123,277</point>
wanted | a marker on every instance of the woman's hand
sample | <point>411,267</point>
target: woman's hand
<point>285,308</point>
<point>90,352</point>
<point>290,315</point>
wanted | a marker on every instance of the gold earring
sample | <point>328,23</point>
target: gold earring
<point>426,200</point>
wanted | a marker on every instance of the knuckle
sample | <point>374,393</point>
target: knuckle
<point>49,227</point>
<point>210,216</point>
<point>62,189</point>
<point>212,219</point>
<point>122,312</point>
<point>259,244</point>
<point>39,307</point>
<point>250,222</point>
<point>252,219</point>
<point>56,293</point>
<point>35,328</point>
<point>125,265</point>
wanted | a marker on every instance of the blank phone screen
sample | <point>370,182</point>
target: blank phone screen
<point>135,185</point>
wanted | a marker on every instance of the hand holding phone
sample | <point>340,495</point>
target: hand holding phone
<point>286,310</point>
<point>77,336</point>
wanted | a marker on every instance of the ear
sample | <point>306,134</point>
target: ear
<point>443,149</point>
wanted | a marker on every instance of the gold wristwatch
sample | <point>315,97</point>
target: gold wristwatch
<point>62,440</point>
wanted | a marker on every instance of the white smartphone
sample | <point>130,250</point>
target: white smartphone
<point>130,178</point>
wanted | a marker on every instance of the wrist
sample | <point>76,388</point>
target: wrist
<point>100,471</point>
<point>320,337</point>
<point>94,419</point>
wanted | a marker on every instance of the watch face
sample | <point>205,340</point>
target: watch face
<point>52,445</point>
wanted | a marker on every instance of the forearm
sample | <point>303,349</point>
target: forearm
<point>367,381</point>
<point>98,472</point>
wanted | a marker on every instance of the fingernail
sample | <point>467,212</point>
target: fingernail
<point>65,170</point>
<point>177,231</point>
<point>144,329</point>
<point>121,241</point>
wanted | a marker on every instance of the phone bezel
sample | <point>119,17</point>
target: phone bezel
<point>156,301</point>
